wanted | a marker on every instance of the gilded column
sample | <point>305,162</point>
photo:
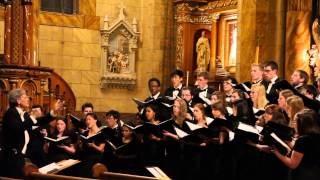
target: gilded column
<point>7,33</point>
<point>214,33</point>
<point>27,35</point>
<point>298,35</point>
<point>35,33</point>
<point>16,45</point>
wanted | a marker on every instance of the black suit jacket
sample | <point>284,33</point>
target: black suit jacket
<point>14,140</point>
<point>13,128</point>
<point>273,95</point>
<point>197,91</point>
<point>170,90</point>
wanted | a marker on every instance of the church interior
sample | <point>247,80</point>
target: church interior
<point>105,52</point>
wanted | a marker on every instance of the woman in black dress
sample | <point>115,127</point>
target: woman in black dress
<point>154,149</point>
<point>245,157</point>
<point>175,167</point>
<point>219,148</point>
<point>127,157</point>
<point>305,157</point>
<point>274,114</point>
<point>195,152</point>
<point>91,149</point>
<point>64,149</point>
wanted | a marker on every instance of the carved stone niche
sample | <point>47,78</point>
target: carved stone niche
<point>119,48</point>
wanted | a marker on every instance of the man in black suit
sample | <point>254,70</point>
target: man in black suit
<point>256,78</point>
<point>203,92</point>
<point>271,76</point>
<point>114,125</point>
<point>187,94</point>
<point>156,98</point>
<point>176,80</point>
<point>298,79</point>
<point>229,84</point>
<point>17,125</point>
<point>256,73</point>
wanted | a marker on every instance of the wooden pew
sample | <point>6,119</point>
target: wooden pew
<point>32,173</point>
<point>119,176</point>
<point>100,171</point>
<point>39,176</point>
<point>6,178</point>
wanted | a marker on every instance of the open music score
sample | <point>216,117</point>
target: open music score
<point>157,172</point>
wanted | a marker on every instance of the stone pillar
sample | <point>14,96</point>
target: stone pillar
<point>213,53</point>
<point>246,40</point>
<point>298,36</point>
<point>270,29</point>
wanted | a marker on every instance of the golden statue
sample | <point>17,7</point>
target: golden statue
<point>203,53</point>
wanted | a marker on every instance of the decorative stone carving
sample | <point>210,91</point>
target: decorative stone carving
<point>119,43</point>
<point>202,19</point>
<point>222,4</point>
<point>179,46</point>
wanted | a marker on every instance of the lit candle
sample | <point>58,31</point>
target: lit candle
<point>256,59</point>
<point>34,58</point>
<point>187,83</point>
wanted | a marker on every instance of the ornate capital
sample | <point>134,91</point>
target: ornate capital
<point>215,16</point>
<point>222,4</point>
<point>200,19</point>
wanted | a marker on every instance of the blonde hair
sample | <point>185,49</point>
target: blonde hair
<point>202,109</point>
<point>183,110</point>
<point>260,66</point>
<point>261,100</point>
<point>296,104</point>
<point>286,93</point>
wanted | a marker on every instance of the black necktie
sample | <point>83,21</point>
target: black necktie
<point>202,90</point>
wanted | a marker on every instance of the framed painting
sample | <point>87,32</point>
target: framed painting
<point>227,48</point>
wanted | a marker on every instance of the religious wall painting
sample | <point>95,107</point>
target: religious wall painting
<point>228,42</point>
<point>232,43</point>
